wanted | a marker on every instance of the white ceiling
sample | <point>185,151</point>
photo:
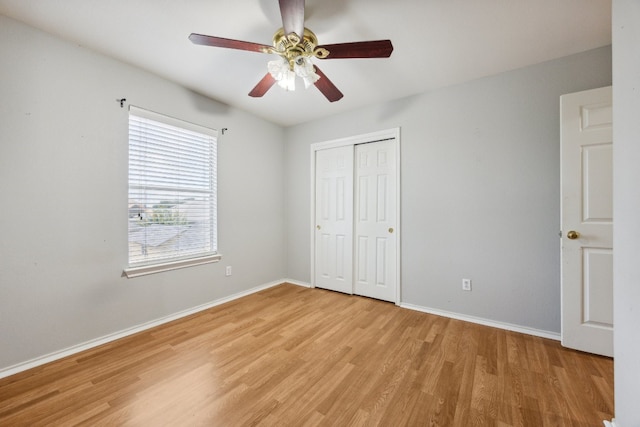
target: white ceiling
<point>436,42</point>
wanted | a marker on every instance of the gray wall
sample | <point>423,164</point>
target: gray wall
<point>626,193</point>
<point>480,189</point>
<point>63,189</point>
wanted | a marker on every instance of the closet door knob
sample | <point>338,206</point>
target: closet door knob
<point>573,235</point>
<point>391,230</point>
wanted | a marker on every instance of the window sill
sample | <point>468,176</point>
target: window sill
<point>132,272</point>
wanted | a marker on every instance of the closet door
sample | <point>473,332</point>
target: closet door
<point>334,219</point>
<point>375,220</point>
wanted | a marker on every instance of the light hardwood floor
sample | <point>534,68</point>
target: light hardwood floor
<point>292,356</point>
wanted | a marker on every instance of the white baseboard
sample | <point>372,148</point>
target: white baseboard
<point>38,361</point>
<point>485,322</point>
<point>298,283</point>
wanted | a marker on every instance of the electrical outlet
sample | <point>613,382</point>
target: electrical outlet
<point>227,271</point>
<point>466,284</point>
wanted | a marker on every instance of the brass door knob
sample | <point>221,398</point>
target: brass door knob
<point>573,235</point>
<point>391,230</point>
<point>318,227</point>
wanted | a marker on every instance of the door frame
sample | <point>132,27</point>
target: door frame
<point>382,135</point>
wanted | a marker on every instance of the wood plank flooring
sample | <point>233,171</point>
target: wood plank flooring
<point>291,356</point>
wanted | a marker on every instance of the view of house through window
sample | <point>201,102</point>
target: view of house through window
<point>172,189</point>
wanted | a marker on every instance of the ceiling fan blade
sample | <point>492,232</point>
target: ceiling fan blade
<point>263,86</point>
<point>368,49</point>
<point>328,89</point>
<point>292,12</point>
<point>204,40</point>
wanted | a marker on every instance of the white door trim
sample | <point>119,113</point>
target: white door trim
<point>393,133</point>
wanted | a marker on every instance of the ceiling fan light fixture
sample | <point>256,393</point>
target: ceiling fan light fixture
<point>285,72</point>
<point>289,82</point>
<point>278,68</point>
<point>305,70</point>
<point>282,73</point>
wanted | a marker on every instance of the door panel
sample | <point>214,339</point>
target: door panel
<point>334,219</point>
<point>587,208</point>
<point>375,226</point>
<point>598,300</point>
<point>597,183</point>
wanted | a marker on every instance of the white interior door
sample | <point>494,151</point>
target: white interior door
<point>587,221</point>
<point>375,220</point>
<point>334,219</point>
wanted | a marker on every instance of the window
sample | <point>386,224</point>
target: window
<point>172,193</point>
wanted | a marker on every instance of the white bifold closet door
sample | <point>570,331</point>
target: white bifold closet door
<point>356,219</point>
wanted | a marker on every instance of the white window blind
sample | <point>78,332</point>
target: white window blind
<point>172,189</point>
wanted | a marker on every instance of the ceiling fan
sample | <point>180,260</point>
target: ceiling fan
<point>296,45</point>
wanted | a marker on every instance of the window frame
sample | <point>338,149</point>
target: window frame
<point>179,261</point>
